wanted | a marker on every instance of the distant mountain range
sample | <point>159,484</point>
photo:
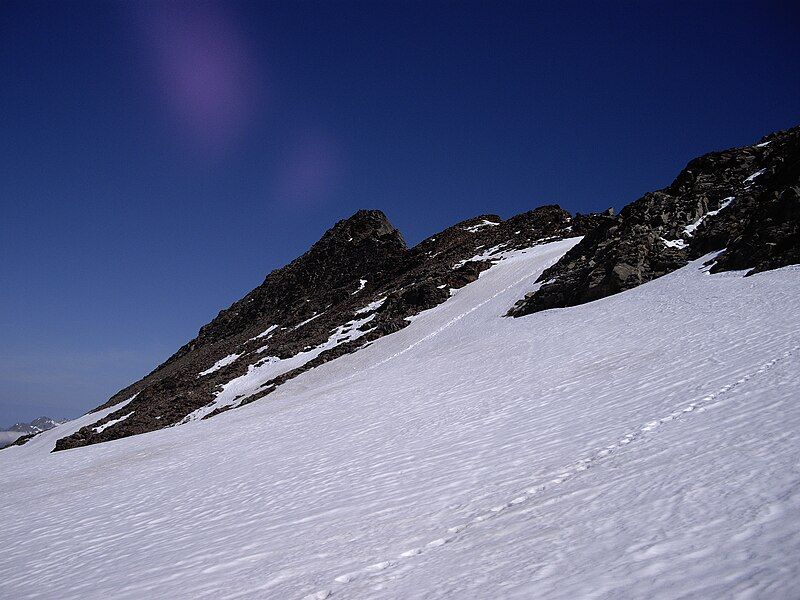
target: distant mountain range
<point>18,430</point>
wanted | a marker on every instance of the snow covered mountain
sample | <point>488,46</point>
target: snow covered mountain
<point>360,282</point>
<point>401,437</point>
<point>355,285</point>
<point>19,430</point>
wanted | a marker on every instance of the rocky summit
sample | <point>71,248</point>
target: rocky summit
<point>360,281</point>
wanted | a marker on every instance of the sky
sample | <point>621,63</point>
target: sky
<point>158,160</point>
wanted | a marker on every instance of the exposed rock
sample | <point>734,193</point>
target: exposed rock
<point>765,232</point>
<point>744,199</point>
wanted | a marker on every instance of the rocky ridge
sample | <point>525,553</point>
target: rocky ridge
<point>743,200</point>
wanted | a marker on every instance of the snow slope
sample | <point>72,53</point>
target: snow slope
<point>640,446</point>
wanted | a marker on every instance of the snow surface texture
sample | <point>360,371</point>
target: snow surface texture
<point>640,446</point>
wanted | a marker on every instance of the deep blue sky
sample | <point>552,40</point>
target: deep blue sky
<point>158,160</point>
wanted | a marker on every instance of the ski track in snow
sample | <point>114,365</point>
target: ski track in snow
<point>457,318</point>
<point>639,446</point>
<point>453,534</point>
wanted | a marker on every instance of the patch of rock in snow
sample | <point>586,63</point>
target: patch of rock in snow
<point>240,388</point>
<point>494,253</point>
<point>45,441</point>
<point>372,306</point>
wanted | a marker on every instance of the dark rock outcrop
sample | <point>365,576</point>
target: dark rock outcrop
<point>764,229</point>
<point>743,199</point>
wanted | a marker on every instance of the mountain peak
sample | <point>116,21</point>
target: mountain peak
<point>364,225</point>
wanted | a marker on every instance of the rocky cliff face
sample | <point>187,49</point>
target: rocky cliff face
<point>743,200</point>
<point>356,284</point>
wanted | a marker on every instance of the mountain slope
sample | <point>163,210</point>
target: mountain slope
<point>355,285</point>
<point>638,446</point>
<point>360,281</point>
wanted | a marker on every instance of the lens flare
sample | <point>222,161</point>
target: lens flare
<point>205,74</point>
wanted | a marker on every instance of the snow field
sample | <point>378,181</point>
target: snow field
<point>638,446</point>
